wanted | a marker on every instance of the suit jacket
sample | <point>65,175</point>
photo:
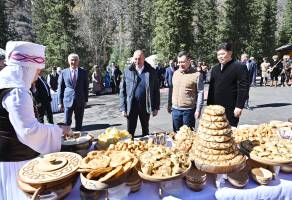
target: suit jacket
<point>128,87</point>
<point>42,94</point>
<point>168,76</point>
<point>66,91</point>
<point>229,87</point>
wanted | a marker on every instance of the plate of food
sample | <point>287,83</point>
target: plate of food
<point>163,164</point>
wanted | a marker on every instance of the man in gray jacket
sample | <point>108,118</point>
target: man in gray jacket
<point>139,93</point>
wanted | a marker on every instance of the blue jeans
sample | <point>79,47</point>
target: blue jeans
<point>183,117</point>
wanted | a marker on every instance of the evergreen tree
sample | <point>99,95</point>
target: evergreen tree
<point>3,25</point>
<point>173,27</point>
<point>236,25</point>
<point>265,36</point>
<point>57,30</point>
<point>140,13</point>
<point>205,12</point>
<point>285,33</point>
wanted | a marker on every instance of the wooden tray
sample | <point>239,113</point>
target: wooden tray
<point>160,179</point>
<point>60,165</point>
<point>219,169</point>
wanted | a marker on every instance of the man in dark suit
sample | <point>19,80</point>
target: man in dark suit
<point>73,91</point>
<point>229,84</point>
<point>168,79</point>
<point>42,97</point>
<point>139,93</point>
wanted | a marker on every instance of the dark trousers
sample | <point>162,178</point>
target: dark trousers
<point>138,110</point>
<point>45,109</point>
<point>233,121</point>
<point>183,117</point>
<point>78,109</point>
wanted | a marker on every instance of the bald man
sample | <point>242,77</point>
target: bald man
<point>139,93</point>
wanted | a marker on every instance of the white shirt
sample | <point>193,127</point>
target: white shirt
<point>43,138</point>
<point>140,69</point>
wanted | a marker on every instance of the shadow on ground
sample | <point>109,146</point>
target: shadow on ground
<point>92,127</point>
<point>271,105</point>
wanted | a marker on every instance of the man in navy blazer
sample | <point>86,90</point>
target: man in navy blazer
<point>73,91</point>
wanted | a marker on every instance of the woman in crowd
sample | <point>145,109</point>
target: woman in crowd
<point>96,80</point>
<point>264,69</point>
<point>22,137</point>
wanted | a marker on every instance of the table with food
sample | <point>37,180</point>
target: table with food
<point>216,161</point>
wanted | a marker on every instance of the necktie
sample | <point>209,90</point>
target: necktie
<point>74,80</point>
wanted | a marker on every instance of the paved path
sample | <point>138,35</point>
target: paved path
<point>267,103</point>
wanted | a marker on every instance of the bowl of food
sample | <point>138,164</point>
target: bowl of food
<point>79,143</point>
<point>163,164</point>
<point>261,175</point>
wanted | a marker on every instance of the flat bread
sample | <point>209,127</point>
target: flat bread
<point>213,138</point>
<point>215,145</point>
<point>97,162</point>
<point>214,110</point>
<point>225,131</point>
<point>214,151</point>
<point>112,173</point>
<point>214,125</point>
<point>119,158</point>
<point>214,118</point>
<point>211,157</point>
<point>97,172</point>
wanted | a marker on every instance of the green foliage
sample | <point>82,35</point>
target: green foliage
<point>141,19</point>
<point>236,25</point>
<point>54,26</point>
<point>173,27</point>
<point>205,30</point>
<point>285,33</point>
<point>264,39</point>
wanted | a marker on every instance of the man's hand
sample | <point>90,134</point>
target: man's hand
<point>67,132</point>
<point>237,112</point>
<point>154,113</point>
<point>124,113</point>
<point>61,107</point>
<point>197,115</point>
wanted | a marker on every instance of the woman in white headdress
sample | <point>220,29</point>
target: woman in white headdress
<point>22,137</point>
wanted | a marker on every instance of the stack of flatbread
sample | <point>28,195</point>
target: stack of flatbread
<point>214,150</point>
<point>105,166</point>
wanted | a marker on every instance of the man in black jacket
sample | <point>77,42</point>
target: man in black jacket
<point>229,84</point>
<point>139,93</point>
<point>42,97</point>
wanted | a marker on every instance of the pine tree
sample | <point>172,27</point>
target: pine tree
<point>3,25</point>
<point>205,12</point>
<point>173,27</point>
<point>57,30</point>
<point>140,13</point>
<point>266,29</point>
<point>285,33</point>
<point>236,25</point>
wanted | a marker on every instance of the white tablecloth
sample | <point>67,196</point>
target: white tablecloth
<point>281,188</point>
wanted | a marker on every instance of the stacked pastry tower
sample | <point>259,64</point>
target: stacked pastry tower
<point>214,150</point>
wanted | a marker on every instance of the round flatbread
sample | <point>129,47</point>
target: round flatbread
<point>225,131</point>
<point>109,175</point>
<point>215,145</point>
<point>215,151</point>
<point>214,125</point>
<point>101,161</point>
<point>119,158</point>
<point>214,110</point>
<point>213,138</point>
<point>211,157</point>
<point>214,118</point>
